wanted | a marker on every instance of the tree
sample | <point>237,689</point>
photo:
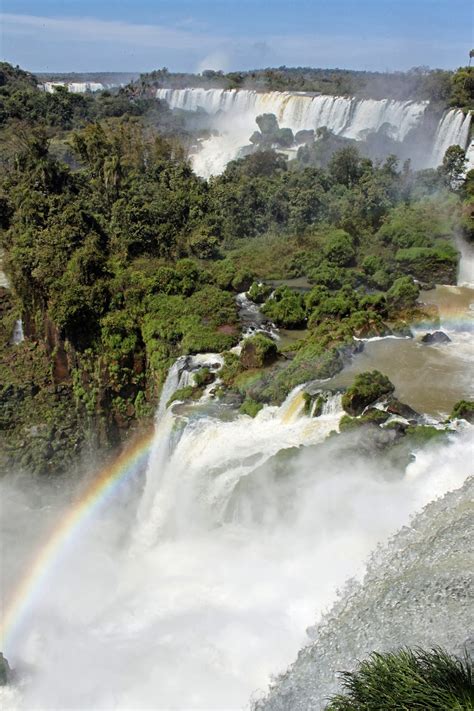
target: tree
<point>452,168</point>
<point>345,166</point>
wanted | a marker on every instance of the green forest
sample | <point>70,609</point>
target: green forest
<point>120,259</point>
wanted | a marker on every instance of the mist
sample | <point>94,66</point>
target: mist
<point>197,599</point>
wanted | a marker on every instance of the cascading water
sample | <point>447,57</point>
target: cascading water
<point>345,116</point>
<point>18,335</point>
<point>242,536</point>
<point>245,531</point>
<point>452,130</point>
<point>75,87</point>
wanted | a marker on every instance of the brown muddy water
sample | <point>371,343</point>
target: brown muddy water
<point>429,378</point>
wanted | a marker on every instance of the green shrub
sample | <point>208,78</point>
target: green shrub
<point>258,292</point>
<point>339,249</point>
<point>464,409</point>
<point>407,680</point>
<point>367,388</point>
<point>286,308</point>
<point>403,294</point>
<point>250,407</point>
<point>328,275</point>
<point>258,351</point>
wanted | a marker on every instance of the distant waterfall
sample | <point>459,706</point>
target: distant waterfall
<point>345,116</point>
<point>453,130</point>
<point>76,87</point>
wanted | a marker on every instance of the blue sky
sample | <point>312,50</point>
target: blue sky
<point>191,35</point>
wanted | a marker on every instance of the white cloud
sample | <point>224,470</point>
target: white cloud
<point>77,28</point>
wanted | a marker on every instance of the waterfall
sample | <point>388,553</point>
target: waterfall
<point>198,460</point>
<point>179,376</point>
<point>453,129</point>
<point>247,529</point>
<point>76,87</point>
<point>332,405</point>
<point>17,335</point>
<point>347,117</point>
<point>344,116</point>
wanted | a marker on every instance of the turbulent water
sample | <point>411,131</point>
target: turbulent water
<point>418,591</point>
<point>243,532</point>
<point>345,116</point>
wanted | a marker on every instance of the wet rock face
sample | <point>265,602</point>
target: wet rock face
<point>435,338</point>
<point>5,671</point>
<point>395,407</point>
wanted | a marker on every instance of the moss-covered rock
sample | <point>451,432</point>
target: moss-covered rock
<point>428,264</point>
<point>187,393</point>
<point>367,388</point>
<point>250,407</point>
<point>5,671</point>
<point>463,410</point>
<point>204,376</point>
<point>395,407</point>
<point>286,308</point>
<point>418,435</point>
<point>258,351</point>
<point>258,292</point>
<point>373,417</point>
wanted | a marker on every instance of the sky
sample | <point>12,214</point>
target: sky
<point>192,35</point>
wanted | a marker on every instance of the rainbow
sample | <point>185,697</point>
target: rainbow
<point>57,545</point>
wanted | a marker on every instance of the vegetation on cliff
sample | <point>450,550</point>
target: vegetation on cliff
<point>445,87</point>
<point>120,259</point>
<point>407,679</point>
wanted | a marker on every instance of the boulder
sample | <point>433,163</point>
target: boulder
<point>5,671</point>
<point>395,407</point>
<point>367,389</point>
<point>258,351</point>
<point>434,338</point>
<point>304,136</point>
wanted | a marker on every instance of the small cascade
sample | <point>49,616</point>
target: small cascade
<point>252,319</point>
<point>453,130</point>
<point>293,407</point>
<point>17,336</point>
<point>179,376</point>
<point>466,263</point>
<point>332,406</point>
